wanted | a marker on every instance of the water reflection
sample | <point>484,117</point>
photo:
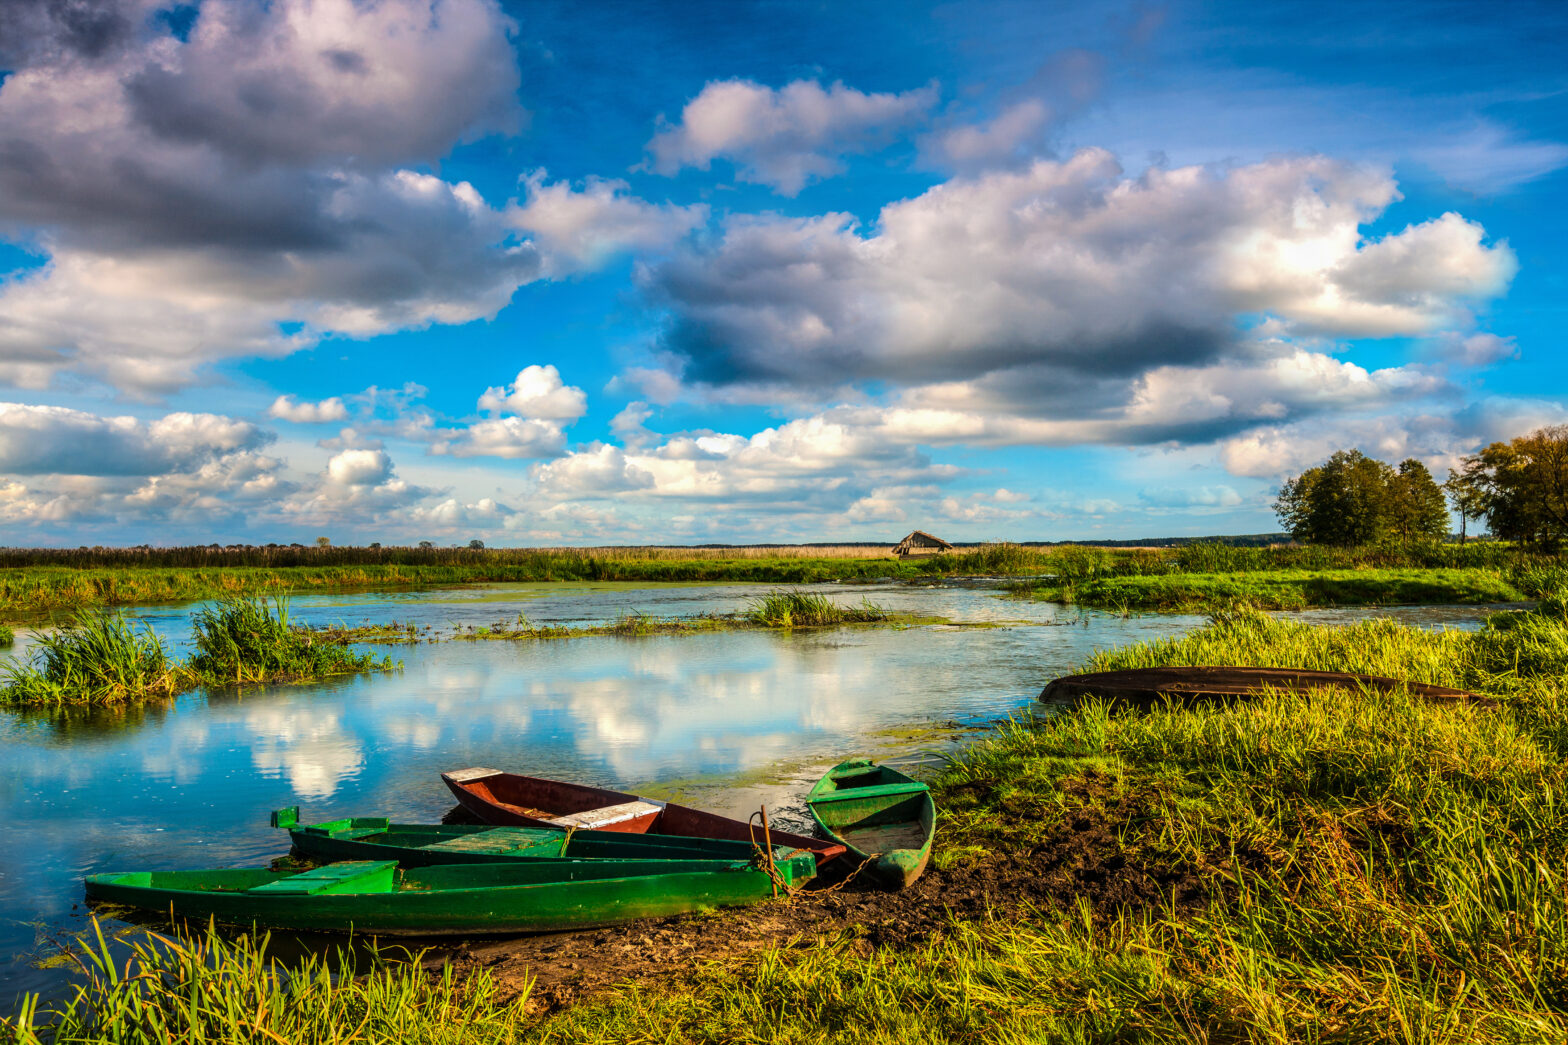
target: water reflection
<point>190,784</point>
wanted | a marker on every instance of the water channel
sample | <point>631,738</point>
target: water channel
<point>726,720</point>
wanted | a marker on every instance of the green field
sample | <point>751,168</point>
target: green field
<point>1357,867</point>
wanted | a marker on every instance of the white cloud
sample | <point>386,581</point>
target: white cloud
<point>1066,266</point>
<point>1012,135</point>
<point>598,469</point>
<point>36,440</point>
<point>360,467</point>
<point>783,137</point>
<point>1437,439</point>
<point>194,196</point>
<point>536,392</point>
<point>286,408</point>
<point>508,437</point>
<point>580,231</point>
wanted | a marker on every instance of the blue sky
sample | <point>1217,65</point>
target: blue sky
<point>712,272</point>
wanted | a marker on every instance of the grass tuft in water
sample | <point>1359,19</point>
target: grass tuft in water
<point>251,640</point>
<point>99,657</point>
<point>7,636</point>
<point>798,609</point>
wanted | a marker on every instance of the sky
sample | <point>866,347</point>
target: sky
<point>712,272</point>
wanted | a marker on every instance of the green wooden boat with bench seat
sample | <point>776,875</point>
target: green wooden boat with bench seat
<point>884,818</point>
<point>514,896</point>
<point>423,845</point>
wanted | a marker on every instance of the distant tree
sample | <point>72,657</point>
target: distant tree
<point>323,542</point>
<point>476,545</point>
<point>375,544</point>
<point>1417,510</point>
<point>427,544</point>
<point>1344,500</point>
<point>1521,487</point>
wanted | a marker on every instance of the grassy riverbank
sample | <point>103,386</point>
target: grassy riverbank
<point>1359,867</point>
<point>33,582</point>
<point>1287,589</point>
<point>103,658</point>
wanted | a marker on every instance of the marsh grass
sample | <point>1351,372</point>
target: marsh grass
<point>101,657</point>
<point>201,987</point>
<point>799,609</point>
<point>251,640</point>
<point>7,636</point>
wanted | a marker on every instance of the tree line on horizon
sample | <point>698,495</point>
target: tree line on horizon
<point>1518,487</point>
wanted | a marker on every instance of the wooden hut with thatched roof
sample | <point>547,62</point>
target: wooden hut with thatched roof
<point>921,543</point>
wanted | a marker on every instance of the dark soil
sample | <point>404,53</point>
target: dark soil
<point>1080,858</point>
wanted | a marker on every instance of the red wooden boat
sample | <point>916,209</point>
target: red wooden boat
<point>507,798</point>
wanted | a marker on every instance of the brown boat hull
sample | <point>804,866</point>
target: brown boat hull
<point>1147,686</point>
<point>515,800</point>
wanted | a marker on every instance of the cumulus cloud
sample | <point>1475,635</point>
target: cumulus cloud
<point>537,392</point>
<point>784,137</point>
<point>195,196</point>
<point>286,408</point>
<point>1439,439</point>
<point>579,231</point>
<point>38,440</point>
<point>508,437</point>
<point>360,467</point>
<point>1067,266</point>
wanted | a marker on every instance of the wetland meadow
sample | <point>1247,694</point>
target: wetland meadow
<point>1324,867</point>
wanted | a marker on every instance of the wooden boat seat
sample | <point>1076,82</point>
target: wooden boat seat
<point>877,791</point>
<point>596,819</point>
<point>348,876</point>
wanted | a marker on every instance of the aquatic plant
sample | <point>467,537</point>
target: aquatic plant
<point>799,609</point>
<point>99,657</point>
<point>102,657</point>
<point>250,640</point>
<point>7,636</point>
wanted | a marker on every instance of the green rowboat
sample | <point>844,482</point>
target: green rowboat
<point>515,896</point>
<point>881,815</point>
<point>423,845</point>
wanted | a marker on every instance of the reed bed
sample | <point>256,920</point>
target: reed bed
<point>101,657</point>
<point>799,609</point>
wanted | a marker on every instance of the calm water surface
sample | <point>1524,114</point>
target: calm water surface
<point>727,720</point>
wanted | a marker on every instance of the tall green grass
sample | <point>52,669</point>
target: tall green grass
<point>250,640</point>
<point>201,987</point>
<point>7,636</point>
<point>799,609</point>
<point>101,657</point>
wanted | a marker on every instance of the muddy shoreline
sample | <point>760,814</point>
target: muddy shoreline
<point>1081,859</point>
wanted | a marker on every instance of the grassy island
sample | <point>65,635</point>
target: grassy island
<point>1333,866</point>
